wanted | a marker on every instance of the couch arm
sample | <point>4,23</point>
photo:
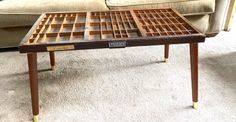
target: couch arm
<point>218,17</point>
<point>229,17</point>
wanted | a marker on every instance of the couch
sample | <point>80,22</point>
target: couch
<point>17,16</point>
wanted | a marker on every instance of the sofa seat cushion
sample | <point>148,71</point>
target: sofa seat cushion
<point>25,12</point>
<point>11,37</point>
<point>186,7</point>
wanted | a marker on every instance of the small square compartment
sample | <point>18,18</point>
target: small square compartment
<point>171,33</point>
<point>118,36</point>
<point>181,27</point>
<point>58,20</point>
<point>115,26</point>
<point>164,33</point>
<point>79,27</point>
<point>117,32</point>
<point>31,40</point>
<point>179,20</point>
<point>172,14</point>
<point>95,19</point>
<point>133,33</point>
<point>107,36</point>
<point>61,34</point>
<point>178,33</point>
<point>186,32</point>
<point>127,25</point>
<point>52,29</point>
<point>188,27</point>
<point>39,40</point>
<point>144,16</point>
<point>63,38</point>
<point>121,26</point>
<point>118,18</point>
<point>152,28</point>
<point>165,28</point>
<point>142,22</point>
<point>50,39</point>
<point>66,29</point>
<point>149,34</point>
<point>173,20</point>
<point>81,19</point>
<point>51,35</point>
<point>150,16</point>
<point>125,36</point>
<point>123,16</point>
<point>69,20</point>
<point>95,26</point>
<point>77,36</point>
<point>159,28</point>
<point>173,27</point>
<point>94,35</point>
<point>123,32</point>
<point>49,21</point>
<point>153,21</point>
<point>38,30</point>
<point>109,26</point>
<point>145,28</point>
<point>113,18</point>
<point>156,34</point>
<point>105,19</point>
<point>133,25</point>
<point>148,22</point>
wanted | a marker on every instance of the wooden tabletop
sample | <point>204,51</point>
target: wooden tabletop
<point>108,29</point>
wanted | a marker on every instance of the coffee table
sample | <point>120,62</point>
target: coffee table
<point>108,29</point>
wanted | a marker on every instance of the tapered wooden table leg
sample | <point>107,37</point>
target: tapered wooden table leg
<point>52,60</point>
<point>166,52</point>
<point>33,76</point>
<point>194,72</point>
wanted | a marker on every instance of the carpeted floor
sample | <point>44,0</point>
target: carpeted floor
<point>130,84</point>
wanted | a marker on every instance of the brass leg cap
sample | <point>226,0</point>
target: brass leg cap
<point>195,105</point>
<point>36,118</point>
<point>53,68</point>
<point>166,60</point>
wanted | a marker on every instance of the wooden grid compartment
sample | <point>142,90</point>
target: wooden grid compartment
<point>162,22</point>
<point>101,29</point>
<point>112,25</point>
<point>58,27</point>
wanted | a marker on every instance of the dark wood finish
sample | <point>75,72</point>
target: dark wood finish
<point>90,30</point>
<point>52,59</point>
<point>33,77</point>
<point>166,51</point>
<point>108,29</point>
<point>194,70</point>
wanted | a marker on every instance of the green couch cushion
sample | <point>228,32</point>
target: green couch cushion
<point>187,7</point>
<point>141,2</point>
<point>25,12</point>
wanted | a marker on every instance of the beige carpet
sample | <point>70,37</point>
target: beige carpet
<point>130,84</point>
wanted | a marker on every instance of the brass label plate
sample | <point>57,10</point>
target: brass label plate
<point>60,47</point>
